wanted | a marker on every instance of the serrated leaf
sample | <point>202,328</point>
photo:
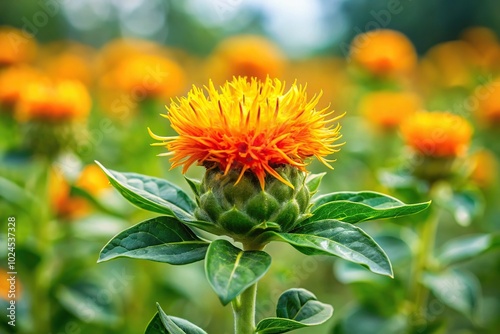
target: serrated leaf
<point>344,240</point>
<point>152,194</point>
<point>466,247</point>
<point>230,270</point>
<point>161,239</point>
<point>164,324</point>
<point>457,289</point>
<point>354,207</point>
<point>297,308</point>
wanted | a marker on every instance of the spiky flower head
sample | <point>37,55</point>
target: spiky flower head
<point>249,126</point>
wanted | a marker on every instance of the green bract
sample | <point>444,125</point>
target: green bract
<point>243,209</point>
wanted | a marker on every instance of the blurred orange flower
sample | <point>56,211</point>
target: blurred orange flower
<point>5,286</point>
<point>147,75</point>
<point>116,50</point>
<point>485,42</point>
<point>383,52</point>
<point>61,202</point>
<point>316,73</point>
<point>69,61</point>
<point>387,109</point>
<point>484,168</point>
<point>13,81</point>
<point>437,134</point>
<point>448,64</point>
<point>16,46</point>
<point>488,103</point>
<point>91,179</point>
<point>249,126</point>
<point>56,101</point>
<point>246,55</point>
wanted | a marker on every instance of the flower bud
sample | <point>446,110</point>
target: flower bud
<point>244,210</point>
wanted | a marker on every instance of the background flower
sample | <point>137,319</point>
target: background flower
<point>247,56</point>
<point>383,52</point>
<point>387,109</point>
<point>437,134</point>
<point>17,46</point>
<point>56,101</point>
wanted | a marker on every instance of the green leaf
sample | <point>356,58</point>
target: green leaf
<point>465,205</point>
<point>297,308</point>
<point>14,194</point>
<point>364,319</point>
<point>466,247</point>
<point>348,273</point>
<point>155,326</point>
<point>194,184</point>
<point>333,237</point>
<point>152,194</point>
<point>230,271</point>
<point>84,298</point>
<point>313,181</point>
<point>354,207</point>
<point>164,324</point>
<point>459,290</point>
<point>161,239</point>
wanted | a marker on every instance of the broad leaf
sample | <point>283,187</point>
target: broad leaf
<point>348,273</point>
<point>155,326</point>
<point>194,185</point>
<point>230,271</point>
<point>161,239</point>
<point>164,324</point>
<point>365,319</point>
<point>152,194</point>
<point>354,207</point>
<point>297,308</point>
<point>313,181</point>
<point>14,194</point>
<point>457,289</point>
<point>466,247</point>
<point>84,297</point>
<point>465,205</point>
<point>332,237</point>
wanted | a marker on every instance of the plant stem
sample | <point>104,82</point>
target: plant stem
<point>41,304</point>
<point>244,311</point>
<point>425,247</point>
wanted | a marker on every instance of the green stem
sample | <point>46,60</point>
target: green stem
<point>425,247</point>
<point>244,304</point>
<point>244,311</point>
<point>41,303</point>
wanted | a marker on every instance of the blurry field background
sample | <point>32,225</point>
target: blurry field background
<point>82,80</point>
